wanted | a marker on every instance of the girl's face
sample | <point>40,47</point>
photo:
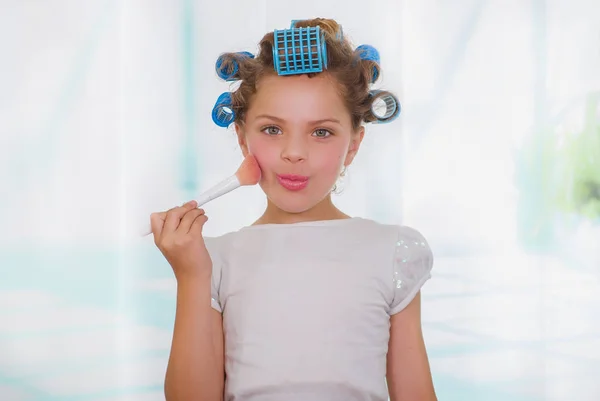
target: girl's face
<point>300,132</point>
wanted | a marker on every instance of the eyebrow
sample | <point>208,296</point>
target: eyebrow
<point>331,120</point>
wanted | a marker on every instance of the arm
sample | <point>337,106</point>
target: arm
<point>408,372</point>
<point>195,370</point>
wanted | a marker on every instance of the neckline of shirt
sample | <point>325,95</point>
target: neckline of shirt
<point>314,223</point>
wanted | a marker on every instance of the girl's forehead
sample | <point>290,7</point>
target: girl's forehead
<point>318,95</point>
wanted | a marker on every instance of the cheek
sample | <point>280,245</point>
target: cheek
<point>265,155</point>
<point>329,161</point>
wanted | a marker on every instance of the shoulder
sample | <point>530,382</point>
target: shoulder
<point>403,238</point>
<point>412,244</point>
<point>218,244</point>
<point>409,247</point>
<point>410,260</point>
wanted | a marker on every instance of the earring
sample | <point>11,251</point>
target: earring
<point>343,173</point>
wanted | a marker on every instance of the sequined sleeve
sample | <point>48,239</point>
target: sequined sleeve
<point>412,265</point>
<point>211,246</point>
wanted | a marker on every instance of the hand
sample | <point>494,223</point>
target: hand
<point>178,234</point>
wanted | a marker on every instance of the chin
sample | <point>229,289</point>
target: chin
<point>292,204</point>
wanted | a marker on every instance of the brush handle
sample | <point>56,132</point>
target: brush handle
<point>225,186</point>
<point>222,188</point>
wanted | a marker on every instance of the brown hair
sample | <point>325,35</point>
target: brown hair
<point>352,73</point>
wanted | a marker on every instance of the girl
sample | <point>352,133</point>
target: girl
<point>307,303</point>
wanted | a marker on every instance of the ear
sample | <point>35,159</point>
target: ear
<point>355,142</point>
<point>241,139</point>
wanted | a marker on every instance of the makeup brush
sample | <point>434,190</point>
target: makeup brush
<point>247,174</point>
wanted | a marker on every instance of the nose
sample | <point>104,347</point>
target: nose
<point>295,149</point>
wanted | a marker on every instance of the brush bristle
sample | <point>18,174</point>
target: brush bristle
<point>249,171</point>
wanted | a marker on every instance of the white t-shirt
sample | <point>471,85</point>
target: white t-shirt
<point>306,306</point>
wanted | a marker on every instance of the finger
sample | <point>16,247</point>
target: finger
<point>188,219</point>
<point>157,220</point>
<point>175,214</point>
<point>198,224</point>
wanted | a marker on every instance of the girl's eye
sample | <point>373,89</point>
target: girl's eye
<point>272,130</point>
<point>322,133</point>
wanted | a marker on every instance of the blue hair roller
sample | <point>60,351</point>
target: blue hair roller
<point>368,52</point>
<point>392,106</point>
<point>299,50</point>
<point>223,73</point>
<point>222,113</point>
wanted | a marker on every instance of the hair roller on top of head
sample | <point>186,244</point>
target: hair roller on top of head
<point>299,50</point>
<point>223,113</point>
<point>392,106</point>
<point>368,52</point>
<point>227,66</point>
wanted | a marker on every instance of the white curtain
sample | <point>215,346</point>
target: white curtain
<point>105,116</point>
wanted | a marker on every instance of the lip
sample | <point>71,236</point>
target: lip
<point>292,182</point>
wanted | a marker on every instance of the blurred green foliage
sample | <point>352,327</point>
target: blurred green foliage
<point>558,174</point>
<point>577,160</point>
